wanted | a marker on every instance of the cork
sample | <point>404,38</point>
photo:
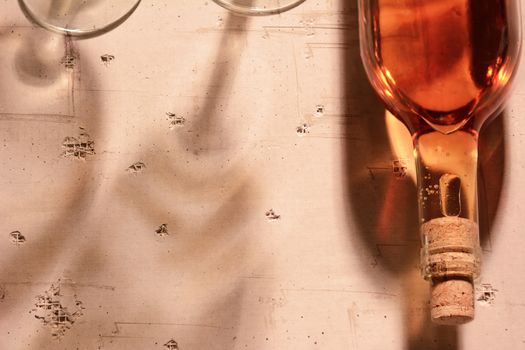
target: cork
<point>452,301</point>
<point>450,248</point>
<point>450,257</point>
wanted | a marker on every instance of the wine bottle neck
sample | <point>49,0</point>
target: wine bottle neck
<point>447,175</point>
<point>448,205</point>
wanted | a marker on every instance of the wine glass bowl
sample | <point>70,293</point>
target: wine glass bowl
<point>258,7</point>
<point>78,17</point>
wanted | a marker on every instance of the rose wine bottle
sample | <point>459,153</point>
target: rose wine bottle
<point>444,68</point>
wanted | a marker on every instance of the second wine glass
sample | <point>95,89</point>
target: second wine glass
<point>258,7</point>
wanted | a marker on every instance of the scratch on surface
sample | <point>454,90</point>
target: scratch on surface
<point>258,277</point>
<point>272,216</point>
<point>17,238</point>
<point>162,231</point>
<point>319,111</point>
<point>309,51</point>
<point>37,117</point>
<point>306,28</point>
<point>107,59</point>
<point>117,332</point>
<point>171,345</point>
<point>297,85</point>
<point>78,147</point>
<point>136,168</point>
<point>175,121</point>
<point>57,311</point>
<point>371,171</point>
<point>321,125</point>
<point>486,294</point>
<point>3,292</point>
<point>329,290</point>
<point>69,60</point>
<point>400,168</point>
<point>63,283</point>
<point>352,319</point>
<point>302,129</point>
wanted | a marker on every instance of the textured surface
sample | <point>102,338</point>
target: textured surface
<point>217,182</point>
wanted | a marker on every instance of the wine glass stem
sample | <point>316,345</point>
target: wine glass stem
<point>448,204</point>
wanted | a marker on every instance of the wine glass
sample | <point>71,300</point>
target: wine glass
<point>258,7</point>
<point>444,68</point>
<point>79,17</point>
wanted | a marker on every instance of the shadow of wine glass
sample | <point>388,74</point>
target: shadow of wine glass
<point>204,171</point>
<point>29,70</point>
<point>382,201</point>
<point>40,107</point>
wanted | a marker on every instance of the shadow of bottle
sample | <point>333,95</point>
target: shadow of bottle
<point>382,205</point>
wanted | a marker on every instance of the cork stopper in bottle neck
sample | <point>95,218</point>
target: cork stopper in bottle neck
<point>452,301</point>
